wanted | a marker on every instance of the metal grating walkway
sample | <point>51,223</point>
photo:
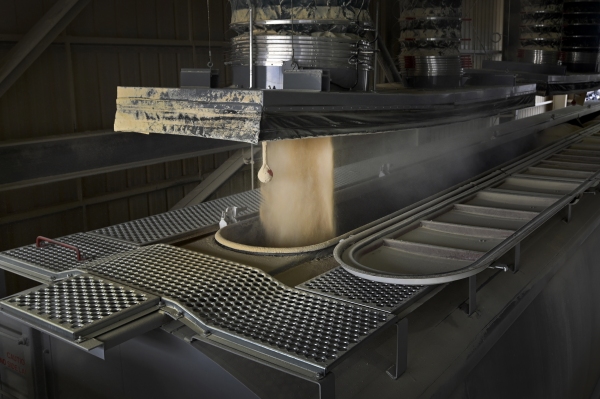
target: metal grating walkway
<point>173,224</point>
<point>241,304</point>
<point>77,307</point>
<point>53,261</point>
<point>341,285</point>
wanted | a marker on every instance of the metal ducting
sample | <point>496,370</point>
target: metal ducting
<point>541,31</point>
<point>430,41</point>
<point>581,39</point>
<point>302,34</point>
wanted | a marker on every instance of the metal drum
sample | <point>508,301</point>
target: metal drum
<point>541,31</point>
<point>581,38</point>
<point>430,41</point>
<point>302,34</point>
<point>549,57</point>
<point>307,51</point>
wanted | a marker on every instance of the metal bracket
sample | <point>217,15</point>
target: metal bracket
<point>401,365</point>
<point>327,387</point>
<point>472,303</point>
<point>517,264</point>
<point>569,208</point>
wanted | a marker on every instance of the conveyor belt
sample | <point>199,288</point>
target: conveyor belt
<point>51,261</point>
<point>243,306</point>
<point>461,236</point>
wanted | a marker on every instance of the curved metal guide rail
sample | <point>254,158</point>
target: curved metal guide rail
<point>245,309</point>
<point>460,236</point>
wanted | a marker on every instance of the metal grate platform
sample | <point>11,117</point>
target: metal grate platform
<point>158,228</point>
<point>78,306</point>
<point>245,305</point>
<point>52,259</point>
<point>339,284</point>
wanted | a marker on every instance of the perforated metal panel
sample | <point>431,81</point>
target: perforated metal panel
<point>53,259</point>
<point>340,284</point>
<point>78,306</point>
<point>167,225</point>
<point>245,303</point>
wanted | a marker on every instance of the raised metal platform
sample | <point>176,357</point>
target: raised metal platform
<point>77,307</point>
<point>243,307</point>
<point>341,285</point>
<point>51,261</point>
<point>550,79</point>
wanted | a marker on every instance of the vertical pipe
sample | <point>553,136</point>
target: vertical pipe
<point>376,56</point>
<point>251,10</point>
<point>252,164</point>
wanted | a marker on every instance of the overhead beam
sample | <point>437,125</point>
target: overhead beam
<point>33,44</point>
<point>119,41</point>
<point>215,180</point>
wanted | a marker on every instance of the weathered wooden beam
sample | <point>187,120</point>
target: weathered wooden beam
<point>233,115</point>
<point>33,44</point>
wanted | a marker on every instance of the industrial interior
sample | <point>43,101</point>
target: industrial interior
<point>325,199</point>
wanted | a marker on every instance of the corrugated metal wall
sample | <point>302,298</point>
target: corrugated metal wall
<point>72,88</point>
<point>483,30</point>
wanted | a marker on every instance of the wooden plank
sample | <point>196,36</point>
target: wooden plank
<point>157,202</point>
<point>116,181</point>
<point>166,19</point>
<point>87,91</point>
<point>126,18</point>
<point>129,69</point>
<point>97,216</point>
<point>24,233</point>
<point>147,20</point>
<point>138,207</point>
<point>109,79</point>
<point>105,24</point>
<point>169,71</point>
<point>94,186</point>
<point>8,17</point>
<point>118,211</point>
<point>136,177</point>
<point>83,25</point>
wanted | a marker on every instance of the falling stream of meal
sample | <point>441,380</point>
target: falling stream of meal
<point>297,207</point>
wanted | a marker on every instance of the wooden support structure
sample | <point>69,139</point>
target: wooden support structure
<point>33,44</point>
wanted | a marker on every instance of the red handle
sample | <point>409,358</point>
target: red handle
<point>40,240</point>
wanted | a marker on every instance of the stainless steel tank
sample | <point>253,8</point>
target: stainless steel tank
<point>302,34</point>
<point>430,41</point>
<point>541,31</point>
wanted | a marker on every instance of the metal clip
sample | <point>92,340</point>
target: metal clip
<point>504,268</point>
<point>230,216</point>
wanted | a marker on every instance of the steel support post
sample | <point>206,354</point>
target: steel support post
<point>569,213</point>
<point>517,253</point>
<point>472,305</point>
<point>401,365</point>
<point>327,387</point>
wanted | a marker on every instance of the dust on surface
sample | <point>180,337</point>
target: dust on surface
<point>297,208</point>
